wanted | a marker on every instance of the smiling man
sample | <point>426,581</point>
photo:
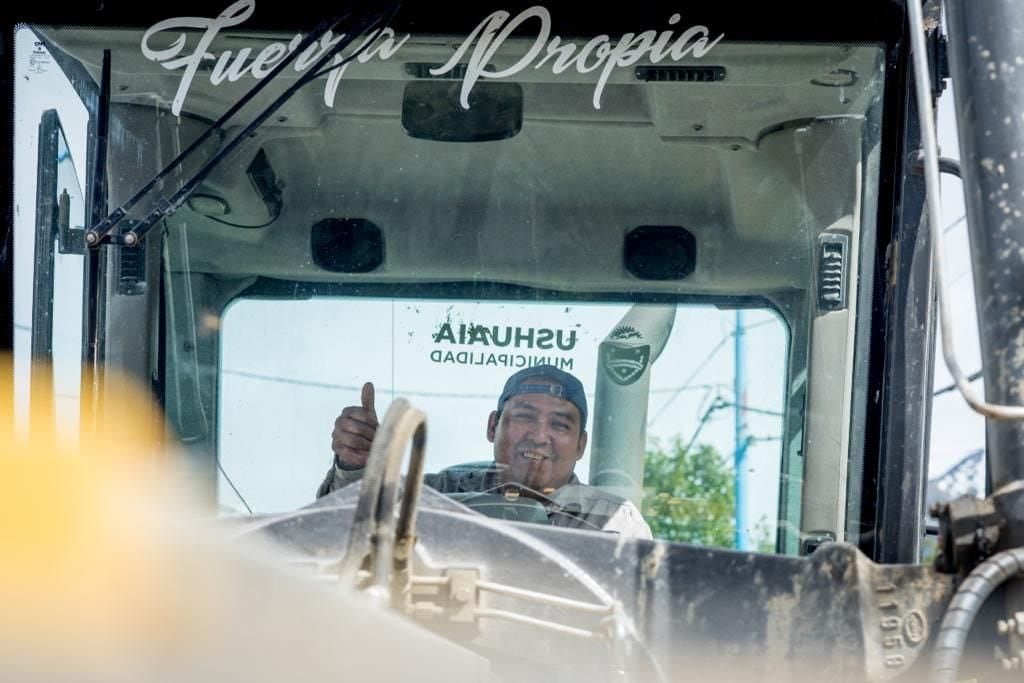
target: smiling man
<point>539,434</point>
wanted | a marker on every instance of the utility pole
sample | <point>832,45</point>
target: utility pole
<point>740,440</point>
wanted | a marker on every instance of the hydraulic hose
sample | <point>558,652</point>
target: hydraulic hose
<point>976,588</point>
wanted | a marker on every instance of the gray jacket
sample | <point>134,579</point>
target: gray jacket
<point>574,505</point>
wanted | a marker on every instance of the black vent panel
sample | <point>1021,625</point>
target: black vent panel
<point>680,74</point>
<point>833,259</point>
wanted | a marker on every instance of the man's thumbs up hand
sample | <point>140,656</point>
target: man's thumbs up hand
<point>354,431</point>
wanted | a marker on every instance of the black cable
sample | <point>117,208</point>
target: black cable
<point>249,227</point>
<point>965,606</point>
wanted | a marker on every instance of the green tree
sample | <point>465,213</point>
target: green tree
<point>690,497</point>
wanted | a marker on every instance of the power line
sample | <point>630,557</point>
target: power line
<point>754,326</point>
<point>685,387</point>
<point>757,439</point>
<point>970,378</point>
<point>721,404</point>
<point>349,387</point>
<point>751,409</point>
<point>686,383</point>
<point>717,404</point>
<point>945,230</point>
<point>955,223</point>
<point>233,487</point>
<point>960,276</point>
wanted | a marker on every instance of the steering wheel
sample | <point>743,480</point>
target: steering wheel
<point>500,506</point>
<point>528,505</point>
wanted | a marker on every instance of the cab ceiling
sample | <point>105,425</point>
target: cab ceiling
<point>755,166</point>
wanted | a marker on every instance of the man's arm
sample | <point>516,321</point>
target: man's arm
<point>338,477</point>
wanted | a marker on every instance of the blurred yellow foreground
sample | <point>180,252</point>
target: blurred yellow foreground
<point>109,571</point>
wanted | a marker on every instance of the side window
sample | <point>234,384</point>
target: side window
<point>49,218</point>
<point>288,368</point>
<point>956,464</point>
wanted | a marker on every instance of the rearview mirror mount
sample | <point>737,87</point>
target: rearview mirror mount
<point>431,111</point>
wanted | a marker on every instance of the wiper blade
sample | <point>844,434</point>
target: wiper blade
<point>369,22</point>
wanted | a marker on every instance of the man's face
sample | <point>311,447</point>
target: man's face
<point>537,439</point>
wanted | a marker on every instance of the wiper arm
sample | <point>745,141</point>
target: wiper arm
<point>102,231</point>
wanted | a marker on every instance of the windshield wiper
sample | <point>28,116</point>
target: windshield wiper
<point>102,232</point>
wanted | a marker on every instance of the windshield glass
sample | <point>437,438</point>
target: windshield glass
<point>618,269</point>
<point>452,358</point>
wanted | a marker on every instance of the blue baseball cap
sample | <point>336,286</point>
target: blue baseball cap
<point>565,386</point>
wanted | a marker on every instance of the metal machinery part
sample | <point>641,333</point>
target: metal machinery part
<point>595,605</point>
